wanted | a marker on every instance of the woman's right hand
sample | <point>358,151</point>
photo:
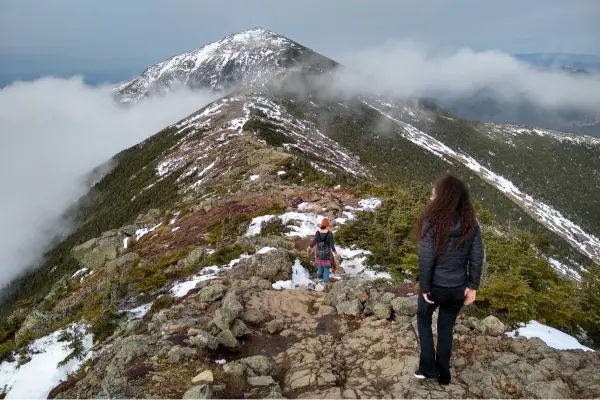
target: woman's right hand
<point>470,296</point>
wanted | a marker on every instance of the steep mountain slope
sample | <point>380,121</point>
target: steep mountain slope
<point>245,58</point>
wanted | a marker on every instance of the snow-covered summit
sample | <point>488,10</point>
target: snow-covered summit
<point>247,57</point>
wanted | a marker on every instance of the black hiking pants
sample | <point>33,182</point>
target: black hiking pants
<point>450,301</point>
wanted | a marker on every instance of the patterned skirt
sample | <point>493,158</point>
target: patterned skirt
<point>325,263</point>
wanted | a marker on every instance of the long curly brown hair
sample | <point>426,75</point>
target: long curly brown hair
<point>452,203</point>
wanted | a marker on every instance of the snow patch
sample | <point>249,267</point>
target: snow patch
<point>256,224</point>
<point>81,271</point>
<point>254,177</point>
<point>564,269</point>
<point>237,260</point>
<point>265,250</point>
<point>144,231</point>
<point>137,312</point>
<point>37,377</point>
<point>369,204</point>
<point>182,288</point>
<point>552,337</point>
<point>300,279</point>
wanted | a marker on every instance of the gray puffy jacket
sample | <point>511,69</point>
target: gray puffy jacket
<point>449,269</point>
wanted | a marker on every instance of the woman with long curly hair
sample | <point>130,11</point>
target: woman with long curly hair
<point>450,263</point>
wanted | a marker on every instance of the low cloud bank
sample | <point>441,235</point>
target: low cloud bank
<point>53,132</point>
<point>407,69</point>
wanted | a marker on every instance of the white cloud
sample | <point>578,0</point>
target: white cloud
<point>407,69</point>
<point>53,133</point>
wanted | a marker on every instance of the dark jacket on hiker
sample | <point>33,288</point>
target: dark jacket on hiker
<point>449,269</point>
<point>324,237</point>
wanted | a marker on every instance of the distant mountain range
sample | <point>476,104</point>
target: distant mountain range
<point>568,62</point>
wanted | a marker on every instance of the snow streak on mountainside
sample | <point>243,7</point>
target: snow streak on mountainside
<point>221,122</point>
<point>249,57</point>
<point>506,133</point>
<point>586,243</point>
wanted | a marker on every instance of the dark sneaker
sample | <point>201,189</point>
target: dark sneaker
<point>443,380</point>
<point>421,375</point>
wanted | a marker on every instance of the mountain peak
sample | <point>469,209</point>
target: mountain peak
<point>247,57</point>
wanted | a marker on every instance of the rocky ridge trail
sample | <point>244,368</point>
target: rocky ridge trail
<point>353,341</point>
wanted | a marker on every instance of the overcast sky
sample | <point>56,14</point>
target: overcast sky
<point>113,33</point>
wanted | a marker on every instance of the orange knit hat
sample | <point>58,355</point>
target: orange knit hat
<point>325,222</point>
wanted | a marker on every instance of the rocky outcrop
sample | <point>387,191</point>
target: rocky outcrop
<point>360,298</point>
<point>259,242</point>
<point>212,293</point>
<point>378,359</point>
<point>115,266</point>
<point>273,266</point>
<point>36,324</point>
<point>198,392</point>
<point>266,159</point>
<point>488,326</point>
<point>96,252</point>
<point>253,366</point>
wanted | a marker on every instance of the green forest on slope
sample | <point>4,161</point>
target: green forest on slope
<point>563,174</point>
<point>395,160</point>
<point>517,284</point>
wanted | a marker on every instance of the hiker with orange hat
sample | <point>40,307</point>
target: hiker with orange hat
<point>324,251</point>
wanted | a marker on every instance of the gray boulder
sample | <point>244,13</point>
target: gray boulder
<point>275,393</point>
<point>198,392</point>
<point>233,305</point>
<point>58,290</point>
<point>212,293</point>
<point>493,326</point>
<point>347,290</point>
<point>382,310</point>
<point>129,229</point>
<point>227,339</point>
<point>259,366</point>
<point>36,324</point>
<point>488,326</point>
<point>224,317</point>
<point>239,328</point>
<point>405,305</point>
<point>254,317</point>
<point>194,257</point>
<point>204,340</point>
<point>555,389</point>
<point>115,265</point>
<point>252,366</point>
<point>273,266</point>
<point>353,307</point>
<point>178,353</point>
<point>258,381</point>
<point>96,252</point>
